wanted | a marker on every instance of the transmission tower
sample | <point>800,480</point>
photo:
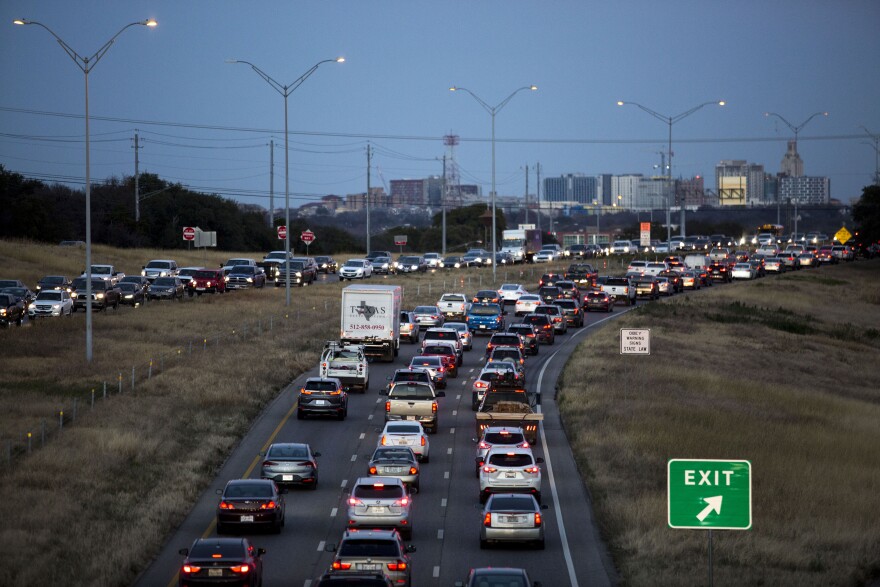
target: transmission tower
<point>452,181</point>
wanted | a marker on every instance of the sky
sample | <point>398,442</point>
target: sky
<point>207,124</point>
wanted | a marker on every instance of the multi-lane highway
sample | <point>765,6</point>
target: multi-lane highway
<point>446,515</point>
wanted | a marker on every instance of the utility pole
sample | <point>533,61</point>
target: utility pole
<point>272,183</point>
<point>443,206</point>
<point>369,155</point>
<point>527,195</point>
<point>137,176</point>
<point>538,180</point>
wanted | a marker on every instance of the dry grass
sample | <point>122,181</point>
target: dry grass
<point>781,372</point>
<point>108,478</point>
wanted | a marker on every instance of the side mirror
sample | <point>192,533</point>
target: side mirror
<point>410,547</point>
<point>261,551</point>
<point>218,491</point>
<point>331,547</point>
<point>384,391</point>
<point>316,454</point>
<point>183,551</point>
<point>539,460</point>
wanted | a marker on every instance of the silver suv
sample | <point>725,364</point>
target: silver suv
<point>510,470</point>
<point>380,502</point>
<point>160,268</point>
<point>373,551</point>
<point>500,437</point>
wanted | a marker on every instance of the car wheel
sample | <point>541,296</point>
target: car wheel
<point>483,544</point>
<point>340,415</point>
<point>300,415</point>
<point>426,459</point>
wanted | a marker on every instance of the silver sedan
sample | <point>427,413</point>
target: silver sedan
<point>512,517</point>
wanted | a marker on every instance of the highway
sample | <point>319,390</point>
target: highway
<point>446,511</point>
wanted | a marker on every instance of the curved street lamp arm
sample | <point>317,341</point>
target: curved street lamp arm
<point>504,102</point>
<point>793,128</point>
<point>479,100</point>
<point>675,119</point>
<point>299,81</point>
<point>86,63</point>
<point>653,113</point>
<point>277,86</point>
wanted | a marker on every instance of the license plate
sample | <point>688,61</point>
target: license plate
<point>510,475</point>
<point>375,509</point>
<point>247,519</point>
<point>510,519</point>
<point>412,417</point>
<point>320,402</point>
<point>394,469</point>
<point>482,326</point>
<point>200,289</point>
<point>287,477</point>
<point>215,572</point>
<point>402,441</point>
<point>369,567</point>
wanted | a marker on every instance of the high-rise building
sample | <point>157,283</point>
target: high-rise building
<point>792,165</point>
<point>739,183</point>
<point>571,188</point>
<point>408,192</point>
<point>624,189</point>
<point>804,189</point>
<point>692,192</point>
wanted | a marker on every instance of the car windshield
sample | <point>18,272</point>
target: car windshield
<point>100,270</point>
<point>410,260</point>
<point>438,349</point>
<point>204,275</point>
<point>158,265</point>
<point>164,281</point>
<point>539,319</point>
<point>529,298</point>
<point>596,296</point>
<point>550,309</point>
<point>503,437</point>
<point>486,310</point>
<point>52,296</point>
<point>432,362</point>
<point>426,310</point>
<point>368,548</point>
<point>498,339</point>
<point>248,490</point>
<point>510,287</point>
<point>127,287</point>
<point>243,269</point>
<point>289,451</point>
<point>53,280</point>
<point>216,549</point>
<point>487,293</point>
<point>276,255</point>
<point>452,298</point>
<point>440,335</point>
<point>354,263</point>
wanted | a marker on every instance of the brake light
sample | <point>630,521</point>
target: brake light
<point>404,501</point>
<point>481,385</point>
<point>441,369</point>
<point>524,444</point>
<point>187,569</point>
<point>354,501</point>
<point>373,470</point>
<point>487,520</point>
<point>304,391</point>
<point>241,569</point>
<point>384,440</point>
<point>398,566</point>
<point>387,406</point>
<point>538,520</point>
<point>340,566</point>
<point>226,506</point>
<point>484,445</point>
<point>269,463</point>
<point>548,326</point>
<point>488,469</point>
<point>270,505</point>
<point>413,470</point>
<point>423,441</point>
<point>434,407</point>
<point>533,470</point>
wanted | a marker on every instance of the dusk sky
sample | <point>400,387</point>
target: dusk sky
<point>207,124</point>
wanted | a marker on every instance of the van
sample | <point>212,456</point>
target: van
<point>697,260</point>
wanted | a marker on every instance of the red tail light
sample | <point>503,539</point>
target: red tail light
<point>398,566</point>
<point>269,463</point>
<point>533,470</point>
<point>548,326</point>
<point>354,501</point>
<point>487,520</point>
<point>226,506</point>
<point>488,469</point>
<point>340,566</point>
<point>434,407</point>
<point>387,406</point>
<point>441,369</point>
<point>402,502</point>
<point>481,385</point>
<point>270,505</point>
<point>373,471</point>
<point>423,441</point>
<point>538,520</point>
<point>484,445</point>
<point>187,569</point>
<point>241,569</point>
<point>413,470</point>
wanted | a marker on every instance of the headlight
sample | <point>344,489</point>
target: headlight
<point>99,296</point>
<point>299,274</point>
<point>250,279</point>
<point>73,294</point>
<point>226,278</point>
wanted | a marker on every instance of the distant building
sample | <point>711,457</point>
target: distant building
<point>624,189</point>
<point>332,202</point>
<point>408,192</point>
<point>739,183</point>
<point>357,202</point>
<point>692,192</point>
<point>571,189</point>
<point>805,190</point>
<point>792,165</point>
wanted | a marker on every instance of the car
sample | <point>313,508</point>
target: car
<point>428,316</point>
<point>621,247</point>
<point>550,293</point>
<point>208,281</point>
<point>550,279</point>
<point>547,255</point>
<point>543,325</point>
<point>526,304</point>
<point>504,339</point>
<point>221,561</point>
<point>498,437</point>
<point>445,334</point>
<point>446,351</point>
<point>380,551</point>
<point>596,301</point>
<point>409,327</point>
<point>24,294</point>
<point>690,280</point>
<point>395,461</point>
<point>322,396</point>
<point>380,502</point>
<point>511,292</point>
<point>464,334</point>
<point>664,286</point>
<point>485,318</point>
<point>383,266</point>
<point>411,264</point>
<point>454,262</point>
<point>51,303</point>
<point>807,259</point>
<point>12,309</point>
<point>186,274</point>
<point>355,269</point>
<point>571,309</point>
<point>434,366</point>
<point>326,264</point>
<point>50,282</point>
<point>674,279</point>
<point>433,260</point>
<point>637,266</point>
<point>250,503</point>
<point>502,576</point>
<point>528,334</point>
<point>509,354</point>
<point>512,517</point>
<point>166,288</point>
<point>487,296</point>
<point>246,277</point>
<point>478,257</point>
<point>407,433</point>
<point>503,258</point>
<point>510,470</point>
<point>556,314</point>
<point>300,271</point>
<point>159,268</point>
<point>774,265</point>
<point>720,271</point>
<point>290,463</point>
<point>133,294</point>
<point>825,255</point>
<point>842,252</point>
<point>372,255</point>
<point>105,294</point>
<point>569,289</point>
<point>483,382</point>
<point>743,271</point>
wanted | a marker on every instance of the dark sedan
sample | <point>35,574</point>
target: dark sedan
<point>250,503</point>
<point>54,282</point>
<point>596,301</point>
<point>291,463</point>
<point>326,264</point>
<point>221,561</point>
<point>133,294</point>
<point>11,310</point>
<point>166,288</point>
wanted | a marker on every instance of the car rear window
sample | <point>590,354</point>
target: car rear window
<point>409,376</point>
<point>486,310</point>
<point>208,548</point>
<point>536,319</point>
<point>205,274</point>
<point>512,503</point>
<point>249,490</point>
<point>510,460</point>
<point>439,335</point>
<point>294,452</point>
<point>378,491</point>
<point>438,349</point>
<point>505,354</point>
<point>512,340</point>
<point>320,386</point>
<point>503,437</point>
<point>393,454</point>
<point>403,429</point>
<point>368,548</point>
<point>410,391</point>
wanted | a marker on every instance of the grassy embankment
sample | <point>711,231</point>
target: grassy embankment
<point>101,499</point>
<point>782,372</point>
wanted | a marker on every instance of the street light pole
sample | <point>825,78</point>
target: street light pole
<point>493,110</point>
<point>285,91</point>
<point>86,64</point>
<point>670,120</point>
<point>596,204</point>
<point>793,128</point>
<point>875,144</point>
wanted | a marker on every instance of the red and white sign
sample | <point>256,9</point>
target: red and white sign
<point>282,232</point>
<point>189,233</point>
<point>307,236</point>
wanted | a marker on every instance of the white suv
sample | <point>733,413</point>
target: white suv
<point>160,268</point>
<point>510,470</point>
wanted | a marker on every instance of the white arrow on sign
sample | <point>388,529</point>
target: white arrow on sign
<point>714,504</point>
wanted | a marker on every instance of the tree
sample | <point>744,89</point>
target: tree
<point>866,213</point>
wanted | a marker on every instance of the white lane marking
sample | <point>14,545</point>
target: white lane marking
<point>454,412</point>
<point>321,546</point>
<point>452,430</point>
<point>308,583</point>
<point>443,503</point>
<point>436,572</point>
<point>449,450</point>
<point>566,550</point>
<point>370,417</point>
<point>354,458</point>
<point>344,483</point>
<point>472,370</point>
<point>333,512</point>
<point>458,397</point>
<point>465,382</point>
<point>362,436</point>
<point>440,534</point>
<point>446,474</point>
<point>378,399</point>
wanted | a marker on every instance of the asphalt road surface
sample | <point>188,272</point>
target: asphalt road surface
<point>446,517</point>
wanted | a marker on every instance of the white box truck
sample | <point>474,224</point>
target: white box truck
<point>521,243</point>
<point>371,317</point>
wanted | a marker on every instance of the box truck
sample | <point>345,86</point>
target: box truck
<point>371,317</point>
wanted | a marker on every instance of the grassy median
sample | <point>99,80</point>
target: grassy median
<point>782,372</point>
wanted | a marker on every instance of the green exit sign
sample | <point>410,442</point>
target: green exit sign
<point>709,495</point>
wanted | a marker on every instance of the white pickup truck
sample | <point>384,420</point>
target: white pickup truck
<point>620,289</point>
<point>413,400</point>
<point>348,363</point>
<point>454,305</point>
